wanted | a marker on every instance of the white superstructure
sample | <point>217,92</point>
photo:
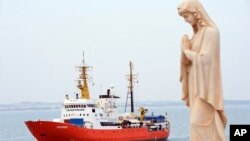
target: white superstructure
<point>96,114</point>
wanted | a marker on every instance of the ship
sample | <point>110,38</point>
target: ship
<point>85,119</point>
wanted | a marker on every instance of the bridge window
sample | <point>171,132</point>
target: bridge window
<point>90,105</point>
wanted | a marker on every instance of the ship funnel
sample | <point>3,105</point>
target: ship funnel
<point>67,97</point>
<point>108,91</point>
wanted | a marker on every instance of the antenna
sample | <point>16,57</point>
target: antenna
<point>83,61</point>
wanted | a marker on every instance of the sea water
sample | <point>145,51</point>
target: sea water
<point>13,128</point>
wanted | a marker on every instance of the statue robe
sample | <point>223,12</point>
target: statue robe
<point>202,86</point>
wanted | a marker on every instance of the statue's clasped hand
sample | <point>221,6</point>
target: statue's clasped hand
<point>185,42</point>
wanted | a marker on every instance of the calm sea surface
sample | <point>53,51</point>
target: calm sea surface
<point>13,127</point>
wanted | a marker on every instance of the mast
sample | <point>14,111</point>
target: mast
<point>131,78</point>
<point>131,86</point>
<point>82,80</point>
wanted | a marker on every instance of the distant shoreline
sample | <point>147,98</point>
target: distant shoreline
<point>174,101</point>
<point>23,106</point>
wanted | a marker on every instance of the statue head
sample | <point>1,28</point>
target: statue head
<point>193,12</point>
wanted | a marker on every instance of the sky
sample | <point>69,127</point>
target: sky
<point>41,43</point>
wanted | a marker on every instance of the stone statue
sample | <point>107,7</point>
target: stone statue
<point>201,74</point>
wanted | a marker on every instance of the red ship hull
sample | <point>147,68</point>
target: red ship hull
<point>54,131</point>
